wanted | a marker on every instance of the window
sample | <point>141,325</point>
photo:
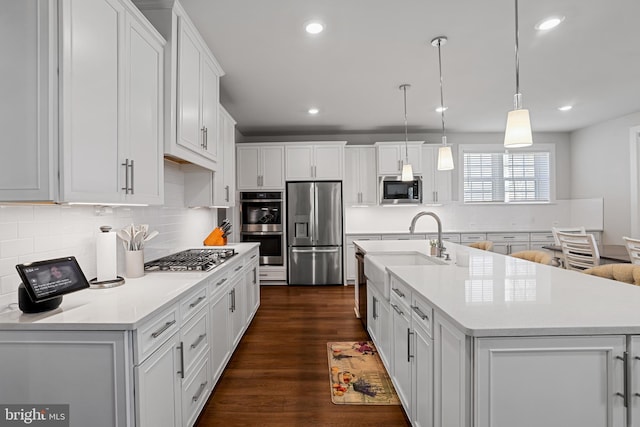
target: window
<point>495,176</point>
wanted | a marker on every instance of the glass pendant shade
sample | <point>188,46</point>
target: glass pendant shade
<point>407,172</point>
<point>518,132</point>
<point>445,158</point>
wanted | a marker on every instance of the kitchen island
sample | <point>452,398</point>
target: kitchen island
<point>491,340</point>
<point>146,353</point>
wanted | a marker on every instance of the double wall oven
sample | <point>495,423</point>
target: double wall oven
<point>261,221</point>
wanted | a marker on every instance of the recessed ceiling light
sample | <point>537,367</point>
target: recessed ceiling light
<point>440,109</point>
<point>314,27</point>
<point>313,111</point>
<point>565,107</point>
<point>549,23</point>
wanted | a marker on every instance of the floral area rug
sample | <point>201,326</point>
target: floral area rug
<point>357,375</point>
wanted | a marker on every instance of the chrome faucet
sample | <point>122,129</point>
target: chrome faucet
<point>440,248</point>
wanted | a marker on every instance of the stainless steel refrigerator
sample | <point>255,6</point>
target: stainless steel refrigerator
<point>314,232</point>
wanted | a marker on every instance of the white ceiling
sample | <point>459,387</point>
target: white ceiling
<point>351,72</point>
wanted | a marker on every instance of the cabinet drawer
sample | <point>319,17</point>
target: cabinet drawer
<point>542,237</point>
<point>403,237</point>
<point>154,332</point>
<point>268,274</point>
<point>472,237</point>
<point>446,237</point>
<point>350,239</point>
<point>217,283</point>
<point>192,303</point>
<point>195,392</point>
<point>401,291</point>
<point>508,237</point>
<point>422,314</point>
<point>236,268</point>
<point>195,339</point>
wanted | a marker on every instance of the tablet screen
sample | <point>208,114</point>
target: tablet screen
<point>49,279</point>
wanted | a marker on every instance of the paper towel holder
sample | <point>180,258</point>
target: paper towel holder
<point>119,280</point>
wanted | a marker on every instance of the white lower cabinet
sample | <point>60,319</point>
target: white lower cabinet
<point>633,360</point>
<point>379,324</point>
<point>400,353</point>
<point>545,381</point>
<point>220,332</point>
<point>422,374</point>
<point>159,390</point>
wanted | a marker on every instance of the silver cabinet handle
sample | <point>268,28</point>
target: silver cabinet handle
<point>198,301</point>
<point>375,315</point>
<point>398,292</point>
<point>198,341</point>
<point>202,137</point>
<point>132,173</point>
<point>206,138</point>
<point>237,268</point>
<point>128,176</point>
<point>255,276</point>
<point>419,312</point>
<point>625,394</point>
<point>226,189</point>
<point>200,390</point>
<point>253,256</point>
<point>164,327</point>
<point>409,355</point>
<point>397,309</point>
<point>221,282</point>
<point>181,371</point>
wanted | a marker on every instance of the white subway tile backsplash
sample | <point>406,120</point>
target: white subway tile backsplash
<point>8,231</point>
<point>33,233</point>
<point>15,247</point>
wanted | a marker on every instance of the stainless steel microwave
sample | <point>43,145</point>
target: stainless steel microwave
<point>395,191</point>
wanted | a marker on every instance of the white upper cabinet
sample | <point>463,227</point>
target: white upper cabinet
<point>28,87</point>
<point>436,185</point>
<point>392,156</point>
<point>315,161</point>
<point>225,194</point>
<point>192,77</point>
<point>360,180</point>
<point>111,104</point>
<point>260,167</point>
<point>98,138</point>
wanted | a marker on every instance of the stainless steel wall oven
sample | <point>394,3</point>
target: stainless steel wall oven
<point>261,222</point>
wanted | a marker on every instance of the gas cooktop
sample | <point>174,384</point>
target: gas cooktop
<point>191,260</point>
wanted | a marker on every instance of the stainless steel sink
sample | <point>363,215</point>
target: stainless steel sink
<point>375,266</point>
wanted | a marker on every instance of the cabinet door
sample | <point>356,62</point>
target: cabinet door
<point>144,138</point>
<point>350,262</point>
<point>553,380</point>
<point>384,333</point>
<point>253,289</point>
<point>190,132</point>
<point>634,378</point>
<point>415,157</point>
<point>450,370</point>
<point>220,334</point>
<point>351,187</point>
<point>328,162</point>
<point>158,387</point>
<point>210,104</point>
<point>299,162</point>
<point>272,167</point>
<point>389,160</point>
<point>401,338</point>
<point>237,309</point>
<point>228,146</point>
<point>247,170</point>
<point>26,172</point>
<point>422,380</point>
<point>367,175</point>
<point>92,46</point>
<point>436,185</point>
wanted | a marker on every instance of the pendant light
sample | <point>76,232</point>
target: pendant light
<point>407,170</point>
<point>518,131</point>
<point>445,157</point>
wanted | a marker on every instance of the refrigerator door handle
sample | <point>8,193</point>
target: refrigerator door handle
<point>316,226</point>
<point>315,250</point>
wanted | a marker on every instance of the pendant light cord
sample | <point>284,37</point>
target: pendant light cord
<point>517,99</point>
<point>406,137</point>
<point>441,90</point>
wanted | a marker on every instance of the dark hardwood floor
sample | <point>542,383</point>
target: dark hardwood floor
<point>278,375</point>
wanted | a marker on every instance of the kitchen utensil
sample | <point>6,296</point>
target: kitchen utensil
<point>150,236</point>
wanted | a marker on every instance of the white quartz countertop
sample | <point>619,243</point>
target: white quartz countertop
<point>119,308</point>
<point>497,295</point>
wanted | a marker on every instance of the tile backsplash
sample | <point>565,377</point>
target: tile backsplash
<point>37,232</point>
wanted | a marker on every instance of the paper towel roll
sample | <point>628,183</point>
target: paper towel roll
<point>106,255</point>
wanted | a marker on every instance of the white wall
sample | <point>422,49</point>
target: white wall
<point>599,166</point>
<point>38,232</point>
